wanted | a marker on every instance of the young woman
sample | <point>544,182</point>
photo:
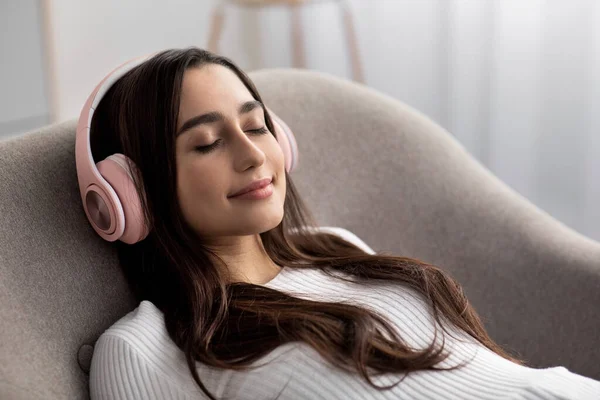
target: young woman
<point>246,297</point>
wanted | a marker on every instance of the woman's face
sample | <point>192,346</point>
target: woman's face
<point>241,155</point>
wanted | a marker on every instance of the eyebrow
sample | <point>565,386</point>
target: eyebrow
<point>215,116</point>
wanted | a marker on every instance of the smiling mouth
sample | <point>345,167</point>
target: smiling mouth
<point>257,194</point>
<point>257,185</point>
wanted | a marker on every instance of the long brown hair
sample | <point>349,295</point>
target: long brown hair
<point>208,318</point>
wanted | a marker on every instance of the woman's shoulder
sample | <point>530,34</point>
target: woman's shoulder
<point>345,234</point>
<point>136,352</point>
<point>143,328</point>
<point>143,332</point>
<point>145,314</point>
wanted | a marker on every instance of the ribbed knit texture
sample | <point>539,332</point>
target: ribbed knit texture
<point>136,359</point>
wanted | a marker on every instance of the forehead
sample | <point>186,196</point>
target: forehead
<point>211,88</point>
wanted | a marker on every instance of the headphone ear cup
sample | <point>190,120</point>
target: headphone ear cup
<point>115,170</point>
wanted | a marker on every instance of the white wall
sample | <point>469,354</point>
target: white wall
<point>91,38</point>
<point>23,95</point>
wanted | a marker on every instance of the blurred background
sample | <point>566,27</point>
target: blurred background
<point>515,81</point>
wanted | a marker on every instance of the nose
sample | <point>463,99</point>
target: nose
<point>246,151</point>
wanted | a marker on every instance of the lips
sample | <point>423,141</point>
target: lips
<point>258,184</point>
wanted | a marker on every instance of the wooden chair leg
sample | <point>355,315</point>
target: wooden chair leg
<point>298,58</point>
<point>357,72</point>
<point>216,28</point>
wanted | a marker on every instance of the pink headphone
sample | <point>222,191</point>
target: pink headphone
<point>109,198</point>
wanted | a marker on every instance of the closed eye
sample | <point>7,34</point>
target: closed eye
<point>217,143</point>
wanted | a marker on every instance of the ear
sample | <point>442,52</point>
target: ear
<point>286,140</point>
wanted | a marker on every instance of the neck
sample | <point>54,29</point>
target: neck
<point>246,259</point>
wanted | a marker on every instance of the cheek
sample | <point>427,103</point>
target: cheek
<point>278,157</point>
<point>202,185</point>
<point>279,165</point>
<point>199,184</point>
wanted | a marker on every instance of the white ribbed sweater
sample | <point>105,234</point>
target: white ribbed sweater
<point>136,359</point>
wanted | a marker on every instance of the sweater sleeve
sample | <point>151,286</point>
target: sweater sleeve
<point>559,383</point>
<point>119,372</point>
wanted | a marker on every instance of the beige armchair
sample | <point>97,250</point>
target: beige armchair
<point>368,163</point>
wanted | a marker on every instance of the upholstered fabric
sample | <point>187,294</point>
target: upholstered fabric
<point>368,163</point>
